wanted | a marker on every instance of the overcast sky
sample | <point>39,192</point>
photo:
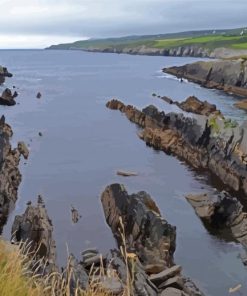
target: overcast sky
<point>39,23</point>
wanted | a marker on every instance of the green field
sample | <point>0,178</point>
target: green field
<point>223,38</point>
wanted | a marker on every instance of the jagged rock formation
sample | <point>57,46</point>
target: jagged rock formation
<point>7,98</point>
<point>156,244</point>
<point>212,143</point>
<point>193,105</point>
<point>221,212</point>
<point>10,176</point>
<point>4,73</point>
<point>35,226</point>
<point>227,75</point>
<point>149,240</point>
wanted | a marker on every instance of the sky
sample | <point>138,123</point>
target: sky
<point>40,23</point>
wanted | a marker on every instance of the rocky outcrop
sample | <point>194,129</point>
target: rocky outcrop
<point>7,98</point>
<point>35,227</point>
<point>147,242</point>
<point>242,104</point>
<point>4,73</point>
<point>227,75</point>
<point>149,236</point>
<point>10,176</point>
<point>221,212</point>
<point>193,105</point>
<point>206,142</point>
<point>184,51</point>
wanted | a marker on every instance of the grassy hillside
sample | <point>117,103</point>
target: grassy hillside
<point>206,39</point>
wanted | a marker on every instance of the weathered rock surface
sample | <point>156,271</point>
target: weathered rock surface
<point>149,239</point>
<point>10,176</point>
<point>221,211</point>
<point>7,98</point>
<point>147,234</point>
<point>4,73</point>
<point>205,142</point>
<point>193,105</point>
<point>22,148</point>
<point>227,75</point>
<point>35,226</point>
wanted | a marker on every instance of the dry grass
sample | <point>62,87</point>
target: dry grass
<point>18,277</point>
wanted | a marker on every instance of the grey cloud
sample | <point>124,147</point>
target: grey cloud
<point>114,17</point>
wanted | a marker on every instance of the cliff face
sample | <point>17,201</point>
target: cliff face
<point>227,75</point>
<point>10,176</point>
<point>205,142</point>
<point>186,51</point>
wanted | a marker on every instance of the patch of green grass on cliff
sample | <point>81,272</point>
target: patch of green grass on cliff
<point>240,45</point>
<point>210,41</point>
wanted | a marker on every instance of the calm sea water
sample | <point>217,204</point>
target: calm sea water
<point>84,144</point>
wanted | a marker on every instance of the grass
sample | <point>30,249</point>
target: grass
<point>227,38</point>
<point>210,42</point>
<point>18,277</point>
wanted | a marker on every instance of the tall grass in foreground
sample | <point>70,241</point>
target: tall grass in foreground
<point>18,276</point>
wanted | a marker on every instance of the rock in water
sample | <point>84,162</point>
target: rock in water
<point>126,174</point>
<point>7,98</point>
<point>75,215</point>
<point>221,211</point>
<point>4,73</point>
<point>38,96</point>
<point>22,148</point>
<point>148,235</point>
<point>35,226</point>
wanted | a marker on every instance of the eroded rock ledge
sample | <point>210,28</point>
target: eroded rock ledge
<point>205,142</point>
<point>221,212</point>
<point>227,75</point>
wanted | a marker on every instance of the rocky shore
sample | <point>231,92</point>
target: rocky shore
<point>10,176</point>
<point>221,212</point>
<point>227,75</point>
<point>3,74</point>
<point>143,264</point>
<point>196,51</point>
<point>210,143</point>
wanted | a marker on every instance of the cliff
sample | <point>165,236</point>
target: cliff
<point>227,75</point>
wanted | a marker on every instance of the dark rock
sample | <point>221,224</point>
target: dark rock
<point>40,134</point>
<point>4,73</point>
<point>10,176</point>
<point>227,75</point>
<point>38,96</point>
<point>35,227</point>
<point>221,211</point>
<point>163,276</point>
<point>167,100</point>
<point>175,282</point>
<point>7,98</point>
<point>147,233</point>
<point>78,275</point>
<point>95,260</point>
<point>75,215</point>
